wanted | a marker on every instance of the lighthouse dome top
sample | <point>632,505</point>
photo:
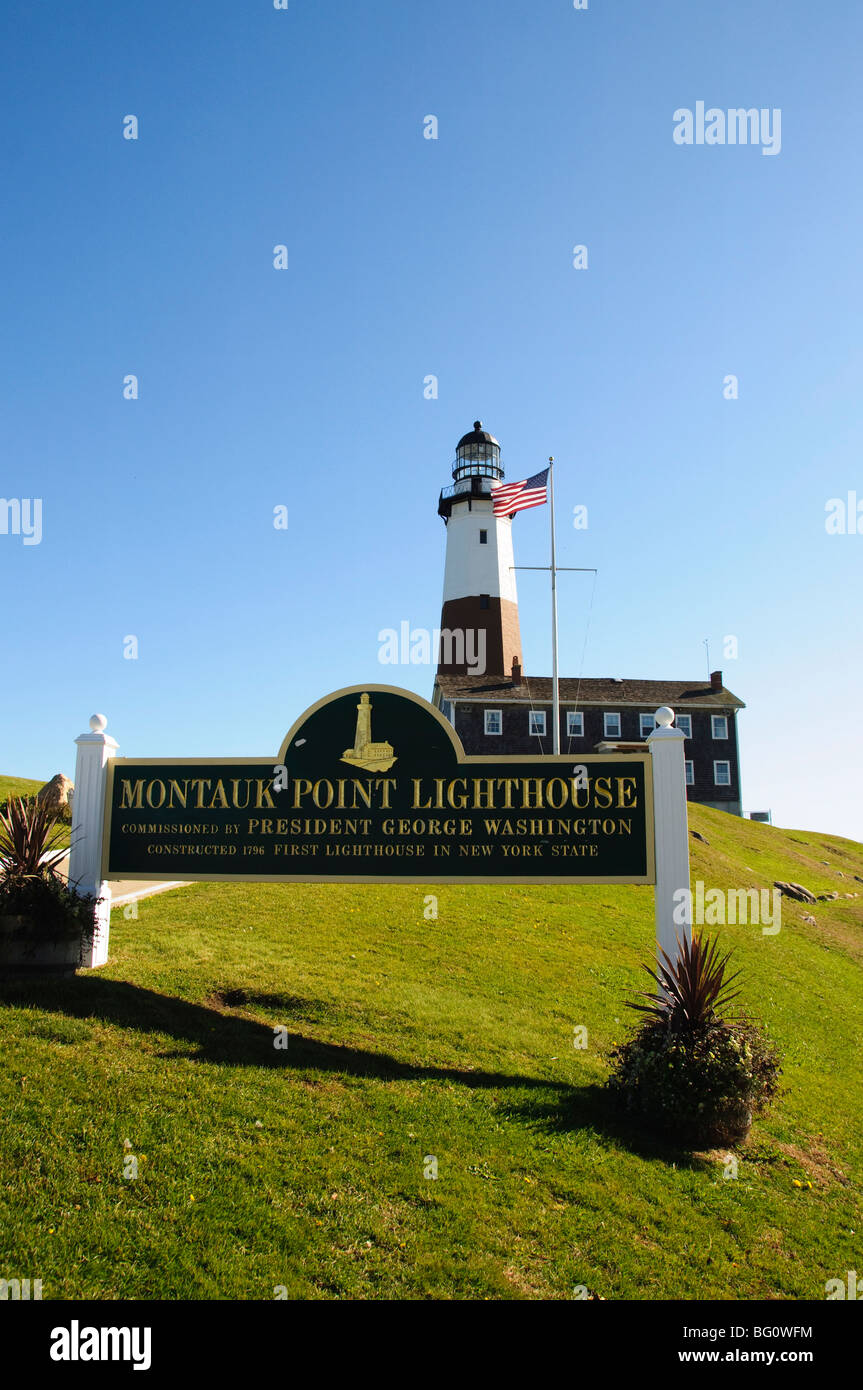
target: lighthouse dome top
<point>477,436</point>
<point>477,455</point>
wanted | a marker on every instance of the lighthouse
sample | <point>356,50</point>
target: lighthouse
<point>479,618</point>
<point>492,705</point>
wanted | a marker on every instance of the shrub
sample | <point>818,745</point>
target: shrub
<point>689,1071</point>
<point>50,910</point>
<point>30,886</point>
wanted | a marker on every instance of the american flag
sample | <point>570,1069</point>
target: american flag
<point>516,497</point>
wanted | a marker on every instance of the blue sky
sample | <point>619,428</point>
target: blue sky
<point>409,257</point>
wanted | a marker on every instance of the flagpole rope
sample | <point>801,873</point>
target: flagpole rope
<point>584,648</point>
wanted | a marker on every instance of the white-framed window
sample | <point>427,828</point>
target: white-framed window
<point>493,721</point>
<point>611,725</point>
<point>684,724</point>
<point>690,772</point>
<point>574,724</point>
<point>718,726</point>
<point>722,773</point>
<point>646,724</point>
<point>536,722</point>
<point>446,710</point>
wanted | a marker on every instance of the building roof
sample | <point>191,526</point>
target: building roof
<point>593,690</point>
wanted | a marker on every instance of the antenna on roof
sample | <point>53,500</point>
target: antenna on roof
<point>707,649</point>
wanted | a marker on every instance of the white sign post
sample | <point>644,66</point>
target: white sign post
<point>88,809</point>
<point>671,834</point>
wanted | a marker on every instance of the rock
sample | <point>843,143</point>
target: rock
<point>56,794</point>
<point>827,897</point>
<point>858,879</point>
<point>696,835</point>
<point>849,895</point>
<point>795,890</point>
<point>811,920</point>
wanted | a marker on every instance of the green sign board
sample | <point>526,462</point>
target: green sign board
<point>372,785</point>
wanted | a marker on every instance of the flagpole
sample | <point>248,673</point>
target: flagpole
<point>555,692</point>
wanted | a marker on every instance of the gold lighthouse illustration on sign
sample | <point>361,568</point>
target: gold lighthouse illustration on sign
<point>374,757</point>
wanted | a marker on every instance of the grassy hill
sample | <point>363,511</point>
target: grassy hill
<point>18,786</point>
<point>411,1038</point>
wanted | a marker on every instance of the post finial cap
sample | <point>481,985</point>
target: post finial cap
<point>664,716</point>
<point>98,722</point>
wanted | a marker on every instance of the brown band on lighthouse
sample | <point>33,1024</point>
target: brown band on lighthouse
<point>480,635</point>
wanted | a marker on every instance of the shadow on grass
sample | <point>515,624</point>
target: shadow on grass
<point>592,1108</point>
<point>284,1006</point>
<point>209,1035</point>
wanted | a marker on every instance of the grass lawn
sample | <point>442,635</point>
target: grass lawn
<point>409,1038</point>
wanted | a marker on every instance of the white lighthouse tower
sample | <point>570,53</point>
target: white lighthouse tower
<point>480,604</point>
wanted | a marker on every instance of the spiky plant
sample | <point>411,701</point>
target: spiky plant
<point>693,990</point>
<point>28,841</point>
